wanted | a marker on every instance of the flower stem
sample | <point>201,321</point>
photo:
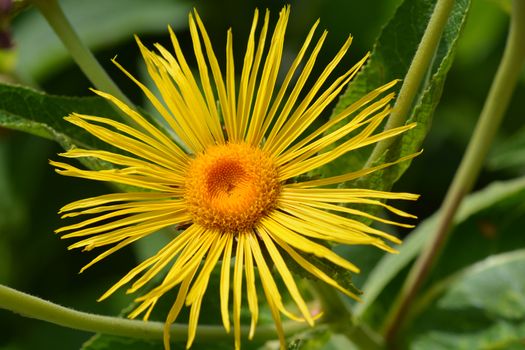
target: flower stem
<point>80,53</point>
<point>416,73</point>
<point>341,320</point>
<point>490,118</point>
<point>33,307</point>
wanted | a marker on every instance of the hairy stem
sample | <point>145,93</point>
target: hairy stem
<point>34,307</point>
<point>416,74</point>
<point>493,111</point>
<point>89,65</point>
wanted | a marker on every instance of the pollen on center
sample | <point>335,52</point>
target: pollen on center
<point>230,187</point>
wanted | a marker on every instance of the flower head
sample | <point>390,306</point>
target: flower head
<point>226,178</point>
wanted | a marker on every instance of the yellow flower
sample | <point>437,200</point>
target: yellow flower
<point>228,180</point>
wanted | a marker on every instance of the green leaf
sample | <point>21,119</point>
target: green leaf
<point>338,273</point>
<point>495,285</point>
<point>99,23</point>
<point>40,114</point>
<point>391,265</point>
<point>341,275</point>
<point>110,342</point>
<point>509,154</point>
<point>320,338</point>
<point>313,339</point>
<point>390,59</point>
<point>37,113</point>
<point>480,307</point>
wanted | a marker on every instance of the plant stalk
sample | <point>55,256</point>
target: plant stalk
<point>490,118</point>
<point>89,65</point>
<point>34,307</point>
<point>416,74</point>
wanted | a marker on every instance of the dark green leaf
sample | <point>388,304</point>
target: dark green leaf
<point>110,342</point>
<point>390,59</point>
<point>314,339</point>
<point>34,112</point>
<point>37,113</point>
<point>338,273</point>
<point>320,338</point>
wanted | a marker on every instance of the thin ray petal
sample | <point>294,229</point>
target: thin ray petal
<point>313,269</point>
<point>112,198</point>
<point>196,27</point>
<point>196,293</point>
<point>237,289</point>
<point>306,113</point>
<point>267,279</point>
<point>215,125</point>
<point>176,307</point>
<point>303,150</point>
<point>268,79</point>
<point>162,257</point>
<point>243,105</point>
<point>276,229</point>
<point>286,275</point>
<point>250,287</point>
<point>349,176</point>
<point>273,299</point>
<point>276,104</point>
<point>225,283</point>
<point>141,121</point>
<point>361,103</point>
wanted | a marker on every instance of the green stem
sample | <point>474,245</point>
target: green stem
<point>493,111</point>
<point>416,74</point>
<point>33,307</point>
<point>80,53</point>
<point>338,316</point>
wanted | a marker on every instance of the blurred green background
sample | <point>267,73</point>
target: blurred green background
<point>34,260</point>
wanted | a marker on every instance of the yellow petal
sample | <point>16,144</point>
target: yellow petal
<point>288,279</point>
<point>225,283</point>
<point>237,289</point>
<point>159,260</point>
<point>305,264</point>
<point>276,229</point>
<point>250,287</point>
<point>349,176</point>
<point>176,307</point>
<point>267,279</point>
<point>195,295</point>
<point>267,80</point>
<point>112,198</point>
<point>270,290</point>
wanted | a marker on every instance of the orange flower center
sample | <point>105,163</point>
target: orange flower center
<point>230,187</point>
